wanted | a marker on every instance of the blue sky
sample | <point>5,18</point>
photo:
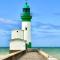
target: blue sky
<point>45,21</point>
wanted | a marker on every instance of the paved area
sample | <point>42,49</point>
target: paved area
<point>31,56</point>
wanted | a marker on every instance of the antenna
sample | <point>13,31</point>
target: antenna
<point>26,1</point>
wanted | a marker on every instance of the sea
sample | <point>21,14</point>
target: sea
<point>52,51</point>
<point>4,50</point>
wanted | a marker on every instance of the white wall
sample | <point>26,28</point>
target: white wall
<point>27,33</point>
<point>17,34</point>
<point>17,45</point>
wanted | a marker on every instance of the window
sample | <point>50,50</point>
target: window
<point>17,31</point>
<point>26,28</point>
<point>26,9</point>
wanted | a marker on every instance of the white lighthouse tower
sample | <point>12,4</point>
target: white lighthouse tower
<point>26,24</point>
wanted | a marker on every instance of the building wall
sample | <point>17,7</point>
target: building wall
<point>17,34</point>
<point>27,33</point>
<point>17,45</point>
<point>17,40</point>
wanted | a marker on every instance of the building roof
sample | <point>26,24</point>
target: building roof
<point>26,5</point>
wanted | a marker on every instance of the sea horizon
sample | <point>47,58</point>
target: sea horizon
<point>51,51</point>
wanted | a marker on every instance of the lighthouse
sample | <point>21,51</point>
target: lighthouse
<point>26,24</point>
<point>21,38</point>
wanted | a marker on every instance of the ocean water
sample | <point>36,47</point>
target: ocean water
<point>55,52</point>
<point>4,50</point>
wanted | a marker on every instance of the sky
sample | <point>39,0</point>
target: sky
<point>45,21</point>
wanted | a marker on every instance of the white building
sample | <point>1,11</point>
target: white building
<point>21,39</point>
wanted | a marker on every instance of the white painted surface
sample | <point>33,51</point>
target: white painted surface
<point>17,34</point>
<point>52,59</point>
<point>43,54</point>
<point>46,55</point>
<point>27,33</point>
<point>17,45</point>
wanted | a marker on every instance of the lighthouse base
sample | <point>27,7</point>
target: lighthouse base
<point>29,45</point>
<point>12,51</point>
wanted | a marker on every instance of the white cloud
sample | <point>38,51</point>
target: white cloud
<point>7,21</point>
<point>4,38</point>
<point>46,30</point>
<point>3,32</point>
<point>7,24</point>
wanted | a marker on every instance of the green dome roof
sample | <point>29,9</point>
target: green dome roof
<point>26,5</point>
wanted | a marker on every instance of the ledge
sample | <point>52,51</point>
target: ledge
<point>14,56</point>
